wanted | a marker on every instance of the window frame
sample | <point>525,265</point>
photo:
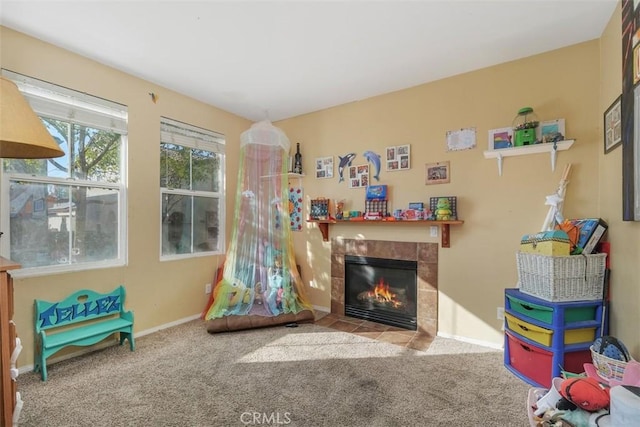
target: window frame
<point>194,138</point>
<point>71,106</point>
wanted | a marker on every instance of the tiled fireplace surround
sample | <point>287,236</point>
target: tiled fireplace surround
<point>426,255</point>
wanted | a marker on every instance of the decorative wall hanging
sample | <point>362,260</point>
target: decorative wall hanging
<point>463,139</point>
<point>612,126</point>
<point>344,162</point>
<point>398,158</point>
<point>500,138</point>
<point>295,208</point>
<point>324,167</point>
<point>374,159</point>
<point>437,173</point>
<point>358,176</point>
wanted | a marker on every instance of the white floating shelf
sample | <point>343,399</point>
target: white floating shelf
<point>289,174</point>
<point>548,147</point>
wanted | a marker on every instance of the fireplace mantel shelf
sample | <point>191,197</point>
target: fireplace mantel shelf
<point>323,226</point>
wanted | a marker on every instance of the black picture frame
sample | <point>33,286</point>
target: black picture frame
<point>630,167</point>
<point>612,121</point>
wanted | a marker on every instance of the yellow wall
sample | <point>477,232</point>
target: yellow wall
<point>158,292</point>
<point>497,210</point>
<point>576,83</point>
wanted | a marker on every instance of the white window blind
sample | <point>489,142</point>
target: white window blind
<point>175,132</point>
<point>60,103</point>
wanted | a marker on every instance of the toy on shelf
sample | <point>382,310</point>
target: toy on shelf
<point>339,205</point>
<point>376,203</point>
<point>319,209</point>
<point>524,127</point>
<point>444,208</point>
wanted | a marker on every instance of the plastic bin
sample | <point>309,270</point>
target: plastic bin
<point>536,365</point>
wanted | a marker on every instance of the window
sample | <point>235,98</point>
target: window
<point>191,189</point>
<point>67,213</point>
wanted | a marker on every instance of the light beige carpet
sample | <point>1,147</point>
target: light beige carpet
<point>442,345</point>
<point>304,376</point>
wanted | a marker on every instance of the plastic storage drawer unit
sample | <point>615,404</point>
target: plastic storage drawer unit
<point>544,338</point>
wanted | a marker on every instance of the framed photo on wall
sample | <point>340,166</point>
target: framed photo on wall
<point>551,130</point>
<point>398,158</point>
<point>358,176</point>
<point>437,173</point>
<point>324,167</point>
<point>500,138</point>
<point>613,126</point>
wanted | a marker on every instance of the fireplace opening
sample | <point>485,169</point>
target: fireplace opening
<point>381,290</point>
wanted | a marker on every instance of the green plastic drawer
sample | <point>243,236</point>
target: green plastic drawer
<point>545,313</point>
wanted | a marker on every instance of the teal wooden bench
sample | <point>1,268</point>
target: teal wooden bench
<point>82,319</point>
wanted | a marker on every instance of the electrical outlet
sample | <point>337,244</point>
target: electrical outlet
<point>434,231</point>
<point>207,288</point>
<point>500,313</point>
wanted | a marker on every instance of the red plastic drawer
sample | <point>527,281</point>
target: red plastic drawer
<point>537,364</point>
<point>531,361</point>
<point>575,360</point>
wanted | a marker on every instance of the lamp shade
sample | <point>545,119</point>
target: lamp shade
<point>22,134</point>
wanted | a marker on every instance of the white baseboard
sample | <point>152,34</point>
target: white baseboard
<point>321,308</point>
<point>471,340</point>
<point>167,325</point>
<point>109,343</point>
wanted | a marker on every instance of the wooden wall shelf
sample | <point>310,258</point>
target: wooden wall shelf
<point>323,226</point>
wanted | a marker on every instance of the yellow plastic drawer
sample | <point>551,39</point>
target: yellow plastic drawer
<point>545,336</point>
<point>528,330</point>
<point>575,336</point>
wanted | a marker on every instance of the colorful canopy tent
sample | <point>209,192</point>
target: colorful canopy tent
<point>260,284</point>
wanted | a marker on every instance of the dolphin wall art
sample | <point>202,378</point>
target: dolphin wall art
<point>344,162</point>
<point>375,159</point>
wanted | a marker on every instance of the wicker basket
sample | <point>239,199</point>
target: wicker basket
<point>561,278</point>
<point>608,368</point>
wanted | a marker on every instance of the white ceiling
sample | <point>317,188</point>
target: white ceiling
<point>280,59</point>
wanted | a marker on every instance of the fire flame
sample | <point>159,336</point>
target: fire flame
<point>382,294</point>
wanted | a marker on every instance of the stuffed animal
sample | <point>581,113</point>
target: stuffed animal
<point>443,209</point>
<point>585,393</point>
<point>233,293</point>
<point>288,299</point>
<point>275,278</point>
